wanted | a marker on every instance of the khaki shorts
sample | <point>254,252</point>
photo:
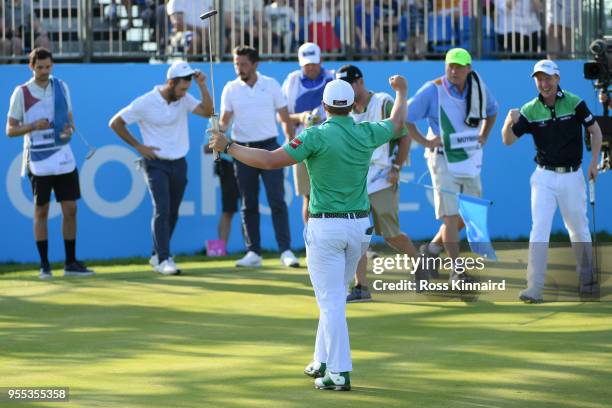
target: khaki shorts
<point>301,181</point>
<point>447,204</point>
<point>385,209</point>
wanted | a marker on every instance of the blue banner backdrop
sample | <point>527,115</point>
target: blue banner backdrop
<point>114,213</point>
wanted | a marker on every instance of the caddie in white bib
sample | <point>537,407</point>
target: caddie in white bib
<point>462,150</point>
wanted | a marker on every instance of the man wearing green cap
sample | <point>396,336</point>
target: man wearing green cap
<point>460,113</point>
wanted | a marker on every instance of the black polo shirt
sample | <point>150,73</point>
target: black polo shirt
<point>556,130</point>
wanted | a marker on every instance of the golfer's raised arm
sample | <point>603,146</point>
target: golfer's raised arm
<point>398,113</point>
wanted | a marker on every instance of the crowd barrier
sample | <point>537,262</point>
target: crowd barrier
<point>114,213</point>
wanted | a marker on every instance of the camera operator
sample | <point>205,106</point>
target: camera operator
<point>604,97</point>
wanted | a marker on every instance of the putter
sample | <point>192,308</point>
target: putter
<point>214,119</point>
<point>90,149</point>
<point>595,272</point>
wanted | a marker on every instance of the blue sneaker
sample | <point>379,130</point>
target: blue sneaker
<point>359,295</point>
<point>77,268</point>
<point>45,271</point>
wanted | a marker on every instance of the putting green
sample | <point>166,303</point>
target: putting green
<point>225,337</point>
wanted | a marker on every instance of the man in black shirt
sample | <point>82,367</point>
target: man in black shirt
<point>555,119</point>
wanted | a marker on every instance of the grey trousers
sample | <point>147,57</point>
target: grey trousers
<point>166,180</point>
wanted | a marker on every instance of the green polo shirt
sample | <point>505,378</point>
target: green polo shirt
<point>337,155</point>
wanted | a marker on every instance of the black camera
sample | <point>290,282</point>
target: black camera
<point>599,71</point>
<point>596,71</point>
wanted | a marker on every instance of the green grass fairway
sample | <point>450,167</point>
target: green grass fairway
<point>224,337</point>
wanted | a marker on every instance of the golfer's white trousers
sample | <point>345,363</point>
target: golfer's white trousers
<point>334,247</point>
<point>568,191</point>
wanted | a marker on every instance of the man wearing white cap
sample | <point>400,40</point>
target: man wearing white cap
<point>337,154</point>
<point>303,89</point>
<point>555,119</point>
<point>161,115</point>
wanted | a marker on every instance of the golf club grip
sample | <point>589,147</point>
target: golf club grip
<point>214,125</point>
<point>208,14</point>
<point>592,191</point>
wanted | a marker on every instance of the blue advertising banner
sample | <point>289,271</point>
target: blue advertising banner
<point>114,214</point>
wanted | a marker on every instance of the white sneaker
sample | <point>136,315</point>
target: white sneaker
<point>167,267</point>
<point>171,260</point>
<point>154,261</point>
<point>288,259</point>
<point>250,260</point>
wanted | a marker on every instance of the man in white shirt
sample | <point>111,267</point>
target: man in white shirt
<point>161,115</point>
<point>41,112</point>
<point>280,16</point>
<point>252,102</point>
<point>243,22</point>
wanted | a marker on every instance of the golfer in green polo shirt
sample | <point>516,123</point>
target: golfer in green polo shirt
<point>337,155</point>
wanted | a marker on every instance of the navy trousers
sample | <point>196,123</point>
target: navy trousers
<point>248,183</point>
<point>166,180</point>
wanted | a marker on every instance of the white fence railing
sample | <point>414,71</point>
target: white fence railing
<point>374,29</point>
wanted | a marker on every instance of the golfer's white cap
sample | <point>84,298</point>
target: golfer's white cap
<point>309,53</point>
<point>546,66</point>
<point>339,94</point>
<point>179,69</point>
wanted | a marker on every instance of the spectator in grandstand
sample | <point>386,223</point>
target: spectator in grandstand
<point>416,46</point>
<point>20,28</point>
<point>562,17</point>
<point>303,90</point>
<point>448,96</point>
<point>367,16</point>
<point>9,45</point>
<point>251,102</point>
<point>244,23</point>
<point>161,115</point>
<point>188,31</point>
<point>41,111</point>
<point>280,17</point>
<point>383,175</point>
<point>321,16</point>
<point>389,23</point>
<point>518,29</point>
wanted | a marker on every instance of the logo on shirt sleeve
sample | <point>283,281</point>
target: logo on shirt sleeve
<point>295,143</point>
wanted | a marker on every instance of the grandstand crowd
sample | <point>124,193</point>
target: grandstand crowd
<point>373,29</point>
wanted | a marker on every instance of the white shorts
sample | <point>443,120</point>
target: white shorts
<point>446,203</point>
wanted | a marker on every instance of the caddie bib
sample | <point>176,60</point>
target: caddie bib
<point>45,153</point>
<point>462,150</point>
